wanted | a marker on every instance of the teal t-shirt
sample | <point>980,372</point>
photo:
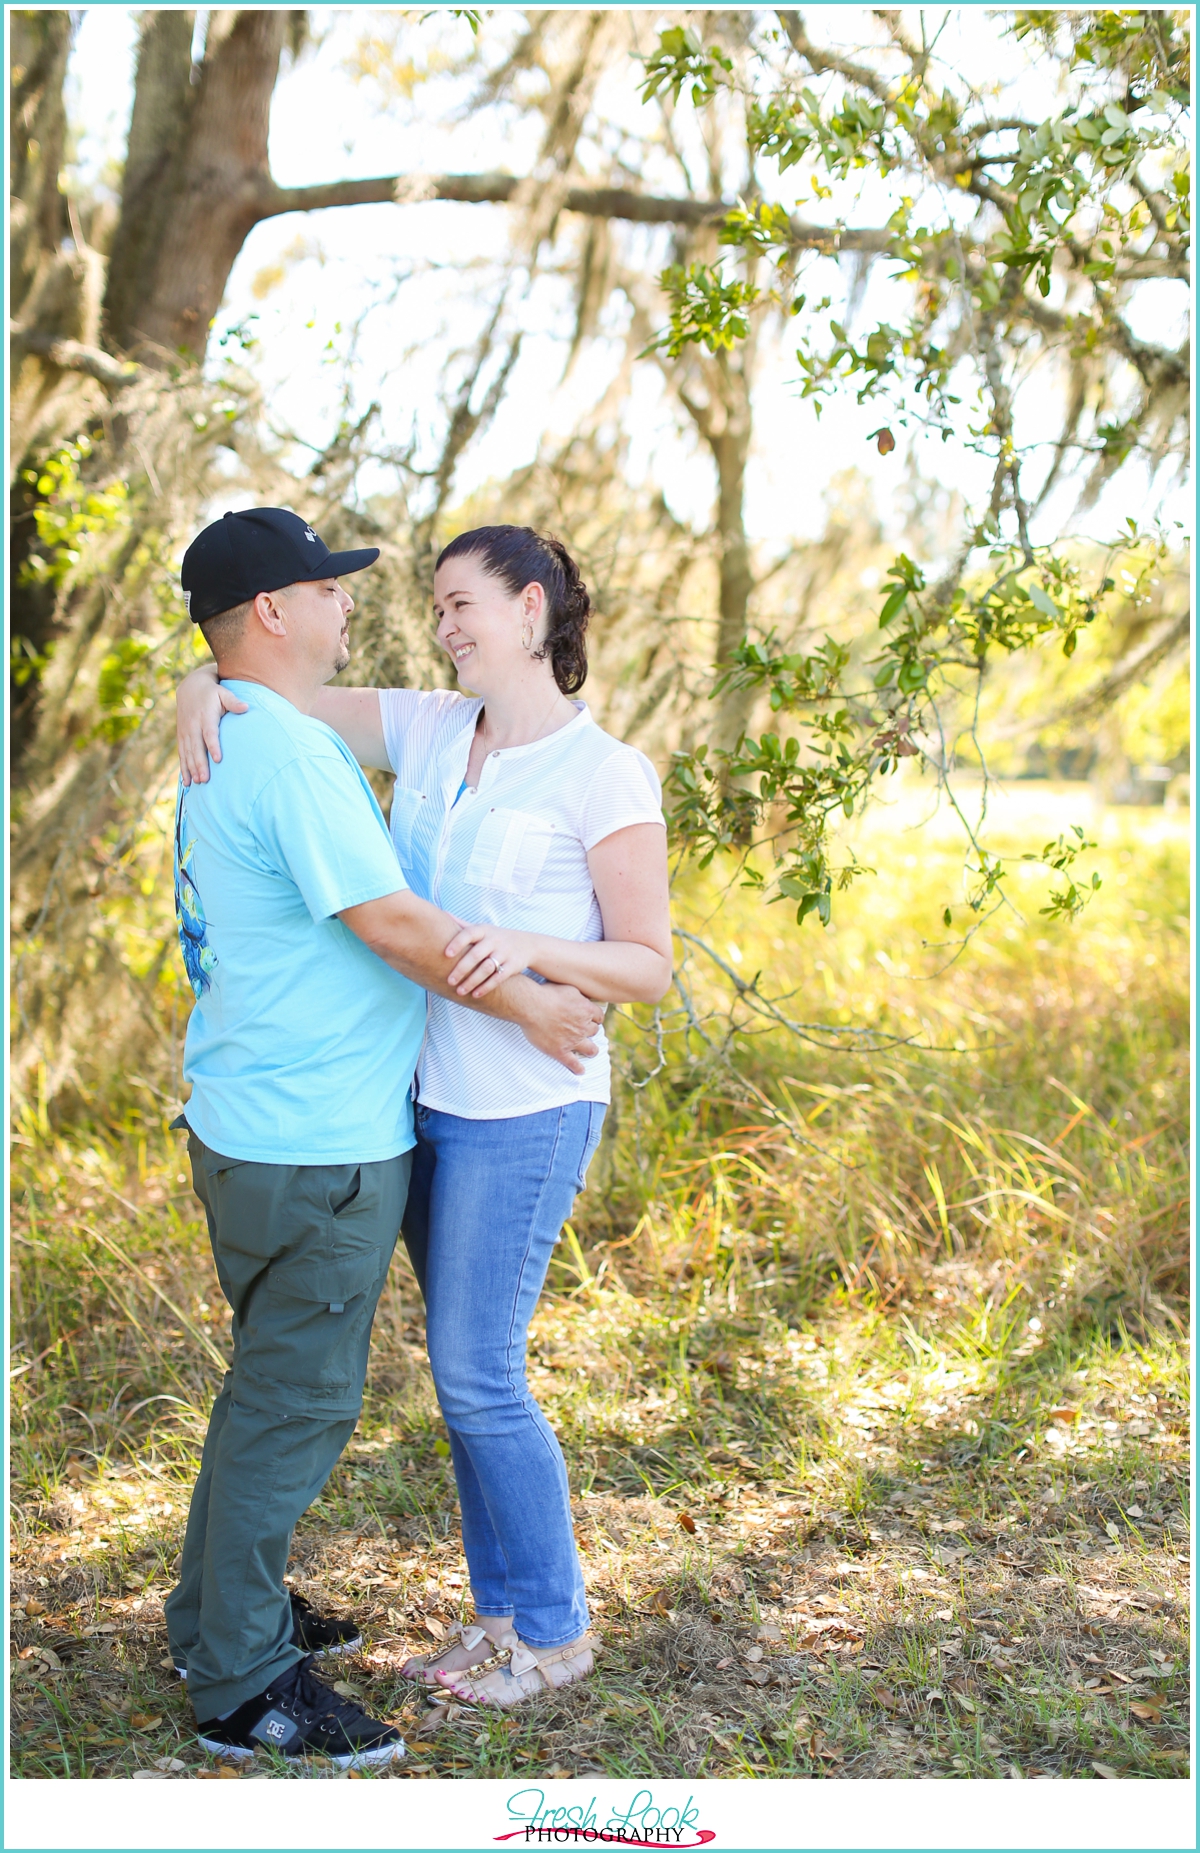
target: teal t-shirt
<point>302,1044</point>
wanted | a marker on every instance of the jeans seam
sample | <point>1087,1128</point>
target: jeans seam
<point>508,1342</point>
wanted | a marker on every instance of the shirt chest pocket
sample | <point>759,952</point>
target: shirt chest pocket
<point>407,806</point>
<point>510,851</point>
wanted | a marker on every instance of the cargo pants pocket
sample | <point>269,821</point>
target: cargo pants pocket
<point>312,1331</point>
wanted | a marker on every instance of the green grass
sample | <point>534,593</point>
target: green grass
<point>870,1372</point>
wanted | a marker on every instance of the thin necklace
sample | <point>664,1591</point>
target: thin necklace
<point>536,736</point>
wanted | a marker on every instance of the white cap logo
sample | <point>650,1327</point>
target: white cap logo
<point>187,603</point>
<point>309,535</point>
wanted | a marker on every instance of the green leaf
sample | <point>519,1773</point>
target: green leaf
<point>892,604</point>
<point>1044,602</point>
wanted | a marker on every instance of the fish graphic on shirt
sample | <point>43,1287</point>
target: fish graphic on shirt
<point>199,959</point>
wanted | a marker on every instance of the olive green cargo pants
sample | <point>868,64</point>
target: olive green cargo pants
<point>302,1253</point>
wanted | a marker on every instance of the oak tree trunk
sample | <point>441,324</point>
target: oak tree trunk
<point>201,172</point>
<point>163,100</point>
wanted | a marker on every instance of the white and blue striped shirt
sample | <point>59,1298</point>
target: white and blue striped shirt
<point>512,852</point>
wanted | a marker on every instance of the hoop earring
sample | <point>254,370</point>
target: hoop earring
<point>527,635</point>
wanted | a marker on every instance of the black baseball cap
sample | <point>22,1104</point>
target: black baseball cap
<point>253,550</point>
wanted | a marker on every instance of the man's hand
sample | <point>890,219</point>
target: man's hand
<point>561,1022</point>
<point>411,935</point>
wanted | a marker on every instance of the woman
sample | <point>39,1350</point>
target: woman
<point>514,811</point>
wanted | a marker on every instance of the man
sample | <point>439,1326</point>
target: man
<point>300,1053</point>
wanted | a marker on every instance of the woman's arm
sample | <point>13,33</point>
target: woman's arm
<point>631,964</point>
<point>201,700</point>
<point>355,714</point>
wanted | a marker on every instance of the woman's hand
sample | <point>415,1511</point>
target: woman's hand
<point>200,701</point>
<point>487,955</point>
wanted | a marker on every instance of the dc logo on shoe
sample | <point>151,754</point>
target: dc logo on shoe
<point>276,1729</point>
<point>309,535</point>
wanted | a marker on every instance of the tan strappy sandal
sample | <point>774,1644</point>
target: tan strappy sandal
<point>526,1674</point>
<point>475,1641</point>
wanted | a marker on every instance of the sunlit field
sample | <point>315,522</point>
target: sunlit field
<point>870,1369</point>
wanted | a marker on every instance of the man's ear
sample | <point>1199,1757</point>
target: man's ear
<point>270,613</point>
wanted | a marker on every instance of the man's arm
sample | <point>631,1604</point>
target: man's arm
<point>411,935</point>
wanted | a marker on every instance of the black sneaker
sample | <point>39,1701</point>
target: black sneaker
<point>314,1634</point>
<point>299,1716</point>
<point>321,1634</point>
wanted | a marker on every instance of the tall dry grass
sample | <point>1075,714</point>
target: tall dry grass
<point>869,1368</point>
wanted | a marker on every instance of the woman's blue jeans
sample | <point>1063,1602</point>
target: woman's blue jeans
<point>487,1201</point>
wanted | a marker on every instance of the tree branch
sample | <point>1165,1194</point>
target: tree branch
<point>74,357</point>
<point>1155,364</point>
<point>1171,635</point>
<point>820,60</point>
<point>594,202</point>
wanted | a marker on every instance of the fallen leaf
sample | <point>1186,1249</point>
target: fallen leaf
<point>102,1627</point>
<point>1107,1771</point>
<point>167,1663</point>
<point>228,1772</point>
<point>688,1522</point>
<point>169,1763</point>
<point>966,1703</point>
<point>1134,1512</point>
<point>885,1697</point>
<point>348,1691</point>
<point>354,1775</point>
<point>659,1602</point>
<point>722,1664</point>
<point>559,1773</point>
<point>770,1631</point>
<point>207,1775</point>
<point>150,1775</point>
<point>1063,1414</point>
<point>435,1627</point>
<point>1150,1712</point>
<point>145,1720</point>
<point>754,1653</point>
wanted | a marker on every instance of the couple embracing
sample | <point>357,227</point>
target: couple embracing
<point>394,1031</point>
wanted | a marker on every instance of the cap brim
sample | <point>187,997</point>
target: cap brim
<point>353,562</point>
